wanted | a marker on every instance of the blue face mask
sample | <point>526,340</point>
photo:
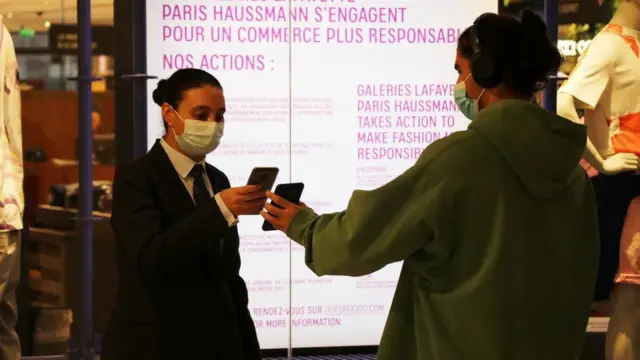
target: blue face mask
<point>468,107</point>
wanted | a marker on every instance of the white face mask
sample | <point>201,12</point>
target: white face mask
<point>199,137</point>
<point>469,107</point>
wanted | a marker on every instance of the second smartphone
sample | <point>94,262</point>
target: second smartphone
<point>291,192</point>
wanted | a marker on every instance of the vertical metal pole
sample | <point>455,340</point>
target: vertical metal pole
<point>130,80</point>
<point>85,209</point>
<point>140,96</point>
<point>551,18</point>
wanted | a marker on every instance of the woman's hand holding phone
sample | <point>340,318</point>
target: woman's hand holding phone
<point>244,200</point>
<point>280,212</point>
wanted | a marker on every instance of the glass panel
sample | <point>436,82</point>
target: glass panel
<point>372,86</point>
<point>50,132</point>
<point>344,96</point>
<point>52,72</point>
<point>244,45</point>
<point>38,41</point>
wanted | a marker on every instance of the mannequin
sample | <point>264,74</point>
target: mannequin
<point>11,194</point>
<point>601,156</point>
<point>606,85</point>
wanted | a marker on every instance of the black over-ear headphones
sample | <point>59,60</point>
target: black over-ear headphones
<point>484,65</point>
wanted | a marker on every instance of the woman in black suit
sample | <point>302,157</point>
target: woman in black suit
<point>174,216</point>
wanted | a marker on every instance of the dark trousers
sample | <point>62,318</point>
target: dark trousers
<point>614,194</point>
<point>9,280</point>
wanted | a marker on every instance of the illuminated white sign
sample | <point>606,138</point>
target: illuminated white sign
<point>573,48</point>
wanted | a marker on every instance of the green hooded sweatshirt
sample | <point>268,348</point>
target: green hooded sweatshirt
<point>497,229</point>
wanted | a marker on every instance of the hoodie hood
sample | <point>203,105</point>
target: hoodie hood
<point>542,148</point>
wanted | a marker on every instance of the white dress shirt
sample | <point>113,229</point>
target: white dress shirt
<point>183,165</point>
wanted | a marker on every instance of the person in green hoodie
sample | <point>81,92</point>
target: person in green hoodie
<point>496,225</point>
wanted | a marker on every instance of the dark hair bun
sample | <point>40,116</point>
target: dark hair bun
<point>159,92</point>
<point>537,56</point>
<point>521,50</point>
<point>533,25</point>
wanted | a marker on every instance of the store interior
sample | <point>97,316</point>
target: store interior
<point>45,34</point>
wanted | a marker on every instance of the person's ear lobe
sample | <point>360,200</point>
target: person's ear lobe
<point>167,112</point>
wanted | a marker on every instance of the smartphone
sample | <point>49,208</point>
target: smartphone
<point>263,176</point>
<point>291,192</point>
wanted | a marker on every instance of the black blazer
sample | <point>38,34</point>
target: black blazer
<point>180,294</point>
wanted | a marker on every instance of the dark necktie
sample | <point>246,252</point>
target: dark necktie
<point>200,192</point>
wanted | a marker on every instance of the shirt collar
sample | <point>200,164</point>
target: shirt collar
<point>182,163</point>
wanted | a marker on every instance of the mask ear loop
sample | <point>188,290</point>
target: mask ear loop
<point>180,117</point>
<point>466,93</point>
<point>481,93</point>
<point>175,111</point>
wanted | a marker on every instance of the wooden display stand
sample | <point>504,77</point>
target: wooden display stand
<point>54,263</point>
<point>39,177</point>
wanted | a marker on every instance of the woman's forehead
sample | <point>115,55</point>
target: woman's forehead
<point>206,96</point>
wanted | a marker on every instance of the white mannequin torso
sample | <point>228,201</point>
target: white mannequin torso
<point>626,19</point>
<point>607,81</point>
<point>628,15</point>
